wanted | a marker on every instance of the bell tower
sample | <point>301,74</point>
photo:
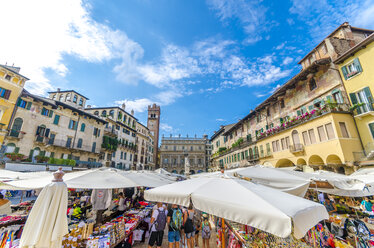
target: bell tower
<point>153,125</point>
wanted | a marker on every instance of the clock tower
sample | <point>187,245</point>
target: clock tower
<point>153,125</point>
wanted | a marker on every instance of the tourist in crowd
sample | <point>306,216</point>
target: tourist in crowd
<point>205,230</point>
<point>366,205</point>
<point>189,228</point>
<point>175,221</point>
<point>158,223</point>
<point>121,203</point>
<point>197,223</point>
<point>330,206</point>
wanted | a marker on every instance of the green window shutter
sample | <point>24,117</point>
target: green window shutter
<point>31,153</point>
<point>16,150</point>
<point>281,120</point>
<point>69,156</point>
<point>52,154</point>
<point>311,107</point>
<point>50,113</point>
<point>368,94</point>
<point>262,130</point>
<point>56,120</point>
<point>303,109</point>
<point>42,153</point>
<point>28,106</point>
<point>371,126</point>
<point>267,127</point>
<point>354,101</point>
<point>19,101</point>
<point>298,113</point>
<point>357,64</point>
<point>345,72</point>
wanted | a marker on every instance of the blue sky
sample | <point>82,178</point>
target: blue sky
<point>206,62</point>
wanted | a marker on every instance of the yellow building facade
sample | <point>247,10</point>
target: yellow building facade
<point>11,85</point>
<point>356,68</point>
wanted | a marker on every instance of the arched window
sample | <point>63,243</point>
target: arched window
<point>111,113</point>
<point>68,97</point>
<point>10,148</point>
<point>312,84</point>
<point>75,99</point>
<point>61,98</point>
<point>80,141</point>
<point>124,118</point>
<point>103,114</point>
<point>96,113</point>
<point>17,125</point>
<point>119,116</point>
<point>54,97</point>
<point>80,101</point>
<point>83,127</point>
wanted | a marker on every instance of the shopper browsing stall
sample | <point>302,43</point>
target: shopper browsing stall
<point>175,221</point>
<point>189,228</point>
<point>366,205</point>
<point>158,223</point>
<point>205,230</point>
<point>330,206</point>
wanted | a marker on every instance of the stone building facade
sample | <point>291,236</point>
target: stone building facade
<point>144,143</point>
<point>118,149</point>
<point>307,122</point>
<point>55,128</point>
<point>11,86</point>
<point>174,149</point>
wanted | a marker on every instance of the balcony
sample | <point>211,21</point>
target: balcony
<point>266,154</point>
<point>110,131</point>
<point>15,134</point>
<point>253,158</point>
<point>298,120</point>
<point>298,148</point>
<point>362,109</point>
<point>69,145</point>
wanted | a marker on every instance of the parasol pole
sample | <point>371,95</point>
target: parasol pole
<point>223,233</point>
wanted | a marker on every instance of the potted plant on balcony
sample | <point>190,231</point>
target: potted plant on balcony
<point>41,159</point>
<point>15,156</point>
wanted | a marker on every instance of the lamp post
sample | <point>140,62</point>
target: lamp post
<point>186,165</point>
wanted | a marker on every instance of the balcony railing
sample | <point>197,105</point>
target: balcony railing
<point>16,134</point>
<point>296,148</point>
<point>266,154</point>
<point>88,164</point>
<point>110,131</point>
<point>69,144</point>
<point>314,114</point>
<point>363,108</point>
<point>253,157</point>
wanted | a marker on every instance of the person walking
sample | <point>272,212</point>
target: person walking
<point>205,231</point>
<point>189,229</point>
<point>174,221</point>
<point>197,223</point>
<point>158,223</point>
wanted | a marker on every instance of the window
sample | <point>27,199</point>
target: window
<point>274,144</point>
<point>111,113</point>
<point>371,127</point>
<point>268,151</point>
<point>103,114</point>
<point>121,155</point>
<point>83,127</point>
<point>68,142</point>
<point>8,77</point>
<point>96,132</point>
<point>96,113</point>
<point>258,118</point>
<point>56,120</point>
<point>312,137</point>
<point>268,111</point>
<point>191,148</point>
<point>344,130</point>
<point>75,99</point>
<point>324,49</point>
<point>68,97</point>
<point>124,155</point>
<point>351,69</point>
<point>51,139</point>
<point>282,103</point>
<point>330,131</point>
<point>312,84</point>
<point>283,143</point>
<point>93,147</point>
<point>80,141</point>
<point>47,112</point>
<point>73,125</point>
<point>287,142</point>
<point>21,103</point>
<point>61,98</point>
<point>306,138</point>
<point>364,98</point>
<point>80,101</point>
<point>321,133</point>
<point>130,157</point>
<point>338,98</point>
<point>5,93</point>
<point>54,97</point>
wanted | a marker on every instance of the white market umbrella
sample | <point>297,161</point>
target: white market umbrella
<point>147,179</point>
<point>244,202</point>
<point>101,178</point>
<point>47,221</point>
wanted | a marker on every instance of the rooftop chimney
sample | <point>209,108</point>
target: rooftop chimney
<point>124,106</point>
<point>132,112</point>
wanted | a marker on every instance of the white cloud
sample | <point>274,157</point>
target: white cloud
<point>287,61</point>
<point>42,32</point>
<point>138,105</point>
<point>167,128</point>
<point>220,119</point>
<point>251,14</point>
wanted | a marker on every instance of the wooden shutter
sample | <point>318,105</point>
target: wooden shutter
<point>50,113</point>
<point>298,113</point>
<point>46,134</point>
<point>345,72</point>
<point>28,106</point>
<point>16,150</point>
<point>311,107</point>
<point>31,153</point>
<point>19,101</point>
<point>7,94</point>
<point>357,64</point>
<point>371,126</point>
<point>369,97</point>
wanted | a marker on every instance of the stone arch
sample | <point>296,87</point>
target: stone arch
<point>200,171</point>
<point>10,148</point>
<point>284,163</point>
<point>174,171</point>
<point>182,172</point>
<point>268,164</point>
<point>333,160</point>
<point>301,161</point>
<point>341,170</point>
<point>315,160</point>
<point>192,172</point>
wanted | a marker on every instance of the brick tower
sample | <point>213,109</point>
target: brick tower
<point>153,125</point>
